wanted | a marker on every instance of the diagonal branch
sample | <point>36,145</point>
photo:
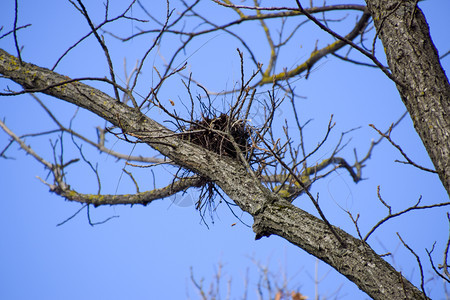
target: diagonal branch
<point>409,161</point>
<point>25,146</point>
<point>272,215</point>
<point>319,54</point>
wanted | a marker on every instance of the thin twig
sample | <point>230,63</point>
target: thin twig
<point>418,262</point>
<point>104,47</point>
<point>16,43</point>
<point>409,161</point>
<point>347,41</point>
<point>393,215</point>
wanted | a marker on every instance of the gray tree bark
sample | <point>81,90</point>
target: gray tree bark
<point>421,81</point>
<point>272,215</point>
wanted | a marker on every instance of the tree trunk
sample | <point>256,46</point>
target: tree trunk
<point>273,215</point>
<point>421,81</point>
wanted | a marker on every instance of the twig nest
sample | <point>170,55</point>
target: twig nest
<point>217,134</point>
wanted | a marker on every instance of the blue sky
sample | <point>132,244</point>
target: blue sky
<point>147,252</point>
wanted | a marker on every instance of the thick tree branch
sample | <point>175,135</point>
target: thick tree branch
<point>273,215</point>
<point>357,261</point>
<point>414,61</point>
<point>226,172</point>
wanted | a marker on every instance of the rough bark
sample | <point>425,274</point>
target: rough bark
<point>272,215</point>
<point>421,81</point>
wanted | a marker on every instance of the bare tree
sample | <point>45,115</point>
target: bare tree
<point>217,149</point>
<point>269,285</point>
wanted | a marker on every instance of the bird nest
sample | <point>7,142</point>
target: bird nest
<point>222,135</point>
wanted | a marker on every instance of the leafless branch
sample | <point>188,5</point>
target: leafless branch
<point>16,43</point>
<point>25,147</point>
<point>14,30</point>
<point>99,27</point>
<point>299,182</point>
<point>104,47</point>
<point>294,10</point>
<point>374,143</point>
<point>143,198</point>
<point>444,266</point>
<point>409,161</point>
<point>393,215</point>
<point>355,222</point>
<point>418,262</point>
<point>100,145</point>
<point>349,42</point>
